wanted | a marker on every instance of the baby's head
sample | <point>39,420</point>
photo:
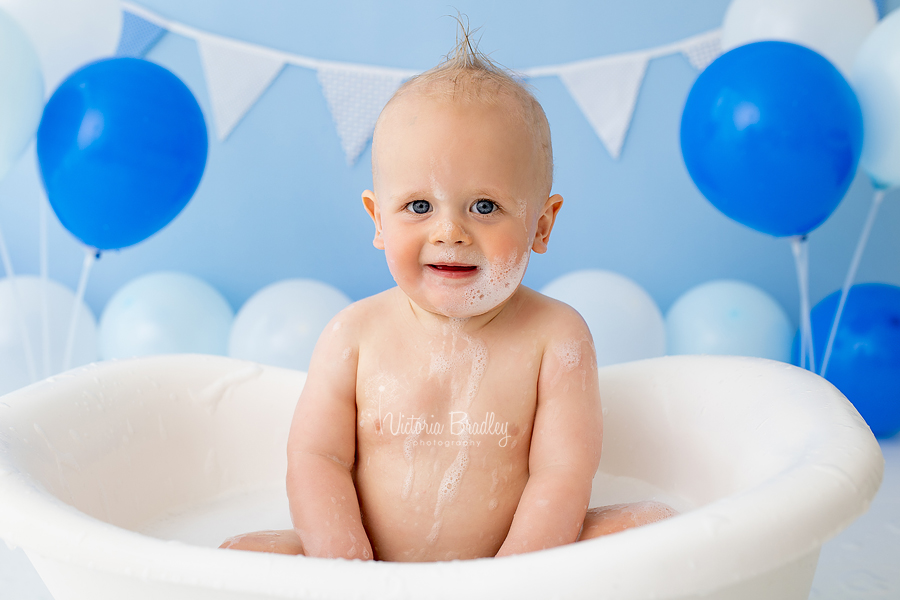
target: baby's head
<point>462,168</point>
<point>466,76</point>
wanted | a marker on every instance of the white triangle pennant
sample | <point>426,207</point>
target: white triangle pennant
<point>356,97</point>
<point>606,91</point>
<point>236,74</point>
<point>704,49</point>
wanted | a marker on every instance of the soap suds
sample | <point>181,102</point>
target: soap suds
<point>492,285</point>
<point>440,365</point>
<point>569,354</point>
<point>449,487</point>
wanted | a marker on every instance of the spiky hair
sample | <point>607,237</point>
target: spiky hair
<point>468,75</point>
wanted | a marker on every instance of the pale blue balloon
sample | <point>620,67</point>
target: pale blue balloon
<point>280,324</point>
<point>21,92</point>
<point>729,317</point>
<point>165,313</point>
<point>623,318</point>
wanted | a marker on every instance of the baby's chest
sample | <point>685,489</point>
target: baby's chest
<point>471,396</point>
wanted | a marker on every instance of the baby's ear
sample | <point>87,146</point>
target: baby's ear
<point>545,223</point>
<point>371,204</point>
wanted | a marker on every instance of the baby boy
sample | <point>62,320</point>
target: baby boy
<point>456,415</point>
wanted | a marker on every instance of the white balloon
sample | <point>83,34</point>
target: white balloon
<point>67,34</point>
<point>280,324</point>
<point>624,320</point>
<point>833,28</point>
<point>876,80</point>
<point>21,94</point>
<point>13,364</point>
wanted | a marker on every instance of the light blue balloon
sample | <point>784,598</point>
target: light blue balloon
<point>165,313</point>
<point>729,317</point>
<point>281,323</point>
<point>623,318</point>
<point>21,92</point>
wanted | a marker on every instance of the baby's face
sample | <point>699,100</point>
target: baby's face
<point>457,202</point>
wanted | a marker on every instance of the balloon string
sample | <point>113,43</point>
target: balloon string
<point>90,256</point>
<point>851,274</point>
<point>17,309</point>
<point>45,311</point>
<point>800,248</point>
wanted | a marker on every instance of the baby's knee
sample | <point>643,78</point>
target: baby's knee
<point>604,520</point>
<point>284,541</point>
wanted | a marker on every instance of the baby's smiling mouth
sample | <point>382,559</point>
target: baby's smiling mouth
<point>452,268</point>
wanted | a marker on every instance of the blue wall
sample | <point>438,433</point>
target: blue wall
<point>278,199</point>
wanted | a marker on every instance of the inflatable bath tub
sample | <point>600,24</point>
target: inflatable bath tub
<point>120,479</point>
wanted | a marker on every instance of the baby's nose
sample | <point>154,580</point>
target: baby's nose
<point>449,231</point>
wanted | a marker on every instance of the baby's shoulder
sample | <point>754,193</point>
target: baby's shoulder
<point>363,316</point>
<point>552,318</point>
<point>360,313</point>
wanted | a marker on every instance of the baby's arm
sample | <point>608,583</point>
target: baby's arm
<point>322,449</point>
<point>565,443</point>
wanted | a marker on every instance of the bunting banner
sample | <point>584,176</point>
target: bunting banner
<point>356,99</point>
<point>608,108</point>
<point>237,74</point>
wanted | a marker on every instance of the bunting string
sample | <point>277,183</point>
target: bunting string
<point>237,74</point>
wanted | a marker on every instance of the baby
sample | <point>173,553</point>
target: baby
<point>456,415</point>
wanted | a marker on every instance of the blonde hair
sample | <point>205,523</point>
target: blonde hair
<point>468,75</point>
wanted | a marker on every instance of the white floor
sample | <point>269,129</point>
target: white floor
<point>862,563</point>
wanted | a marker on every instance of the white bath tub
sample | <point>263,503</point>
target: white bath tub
<point>770,461</point>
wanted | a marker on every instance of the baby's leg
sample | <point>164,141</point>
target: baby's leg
<point>604,520</point>
<point>284,541</point>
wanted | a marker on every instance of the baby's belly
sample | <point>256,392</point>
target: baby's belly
<point>429,503</point>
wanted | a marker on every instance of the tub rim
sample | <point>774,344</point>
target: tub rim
<point>839,479</point>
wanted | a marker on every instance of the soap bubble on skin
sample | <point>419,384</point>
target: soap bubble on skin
<point>522,210</point>
<point>477,351</point>
<point>522,213</point>
<point>495,283</point>
<point>449,487</point>
<point>440,365</point>
<point>569,354</point>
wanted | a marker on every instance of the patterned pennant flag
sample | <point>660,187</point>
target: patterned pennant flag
<point>236,74</point>
<point>702,50</point>
<point>356,96</point>
<point>606,91</point>
<point>138,36</point>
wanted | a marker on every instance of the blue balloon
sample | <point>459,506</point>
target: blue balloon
<point>122,146</point>
<point>865,358</point>
<point>771,134</point>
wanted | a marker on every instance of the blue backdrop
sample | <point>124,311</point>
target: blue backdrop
<point>278,199</point>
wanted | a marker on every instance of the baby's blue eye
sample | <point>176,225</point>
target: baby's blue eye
<point>485,207</point>
<point>420,207</point>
